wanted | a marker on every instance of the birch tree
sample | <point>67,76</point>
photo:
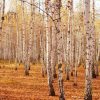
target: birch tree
<point>24,42</point>
<point>93,40</point>
<point>89,52</point>
<point>17,41</point>
<point>29,51</point>
<point>53,44</point>
<point>59,48</point>
<point>48,51</point>
<point>42,47</point>
<point>69,34</point>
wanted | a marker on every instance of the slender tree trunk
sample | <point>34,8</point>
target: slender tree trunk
<point>69,33</point>
<point>30,36</point>
<point>42,48</point>
<point>24,42</point>
<point>95,67</point>
<point>17,44</point>
<point>59,49</point>
<point>41,54</point>
<point>48,52</point>
<point>72,38</point>
<point>54,46</point>
<point>17,41</point>
<point>89,51</point>
<point>75,60</point>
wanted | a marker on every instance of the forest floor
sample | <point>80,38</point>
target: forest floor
<point>14,85</point>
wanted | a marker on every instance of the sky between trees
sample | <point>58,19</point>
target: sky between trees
<point>9,4</point>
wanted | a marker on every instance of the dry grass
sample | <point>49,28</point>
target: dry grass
<point>14,85</point>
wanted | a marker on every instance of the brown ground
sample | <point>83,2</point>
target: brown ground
<point>14,85</point>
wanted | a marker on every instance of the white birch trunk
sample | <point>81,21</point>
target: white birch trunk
<point>59,49</point>
<point>54,46</point>
<point>89,52</point>
<point>24,42</point>
<point>48,51</point>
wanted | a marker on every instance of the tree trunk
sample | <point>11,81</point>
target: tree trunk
<point>59,49</point>
<point>89,51</point>
<point>94,40</point>
<point>69,34</point>
<point>48,52</point>
<point>54,46</point>
<point>25,62</point>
